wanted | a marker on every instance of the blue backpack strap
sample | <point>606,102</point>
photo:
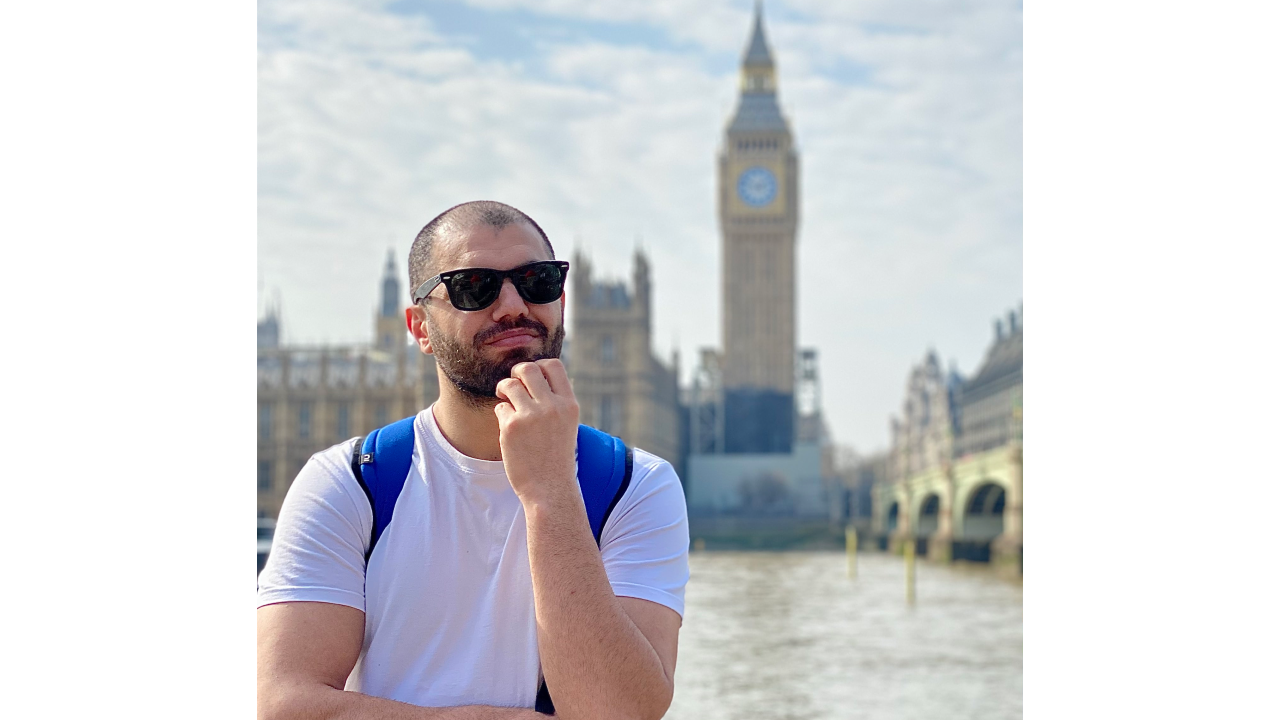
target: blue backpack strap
<point>381,465</point>
<point>604,474</point>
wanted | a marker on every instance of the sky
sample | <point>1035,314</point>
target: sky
<point>602,119</point>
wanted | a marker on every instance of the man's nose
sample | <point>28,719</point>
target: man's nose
<point>509,302</point>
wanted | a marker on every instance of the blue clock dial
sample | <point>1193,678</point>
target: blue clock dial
<point>757,186</point>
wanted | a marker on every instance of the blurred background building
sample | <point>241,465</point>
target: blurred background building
<point>758,197</point>
<point>312,397</point>
<point>621,387</point>
<point>760,470</point>
<point>952,480</point>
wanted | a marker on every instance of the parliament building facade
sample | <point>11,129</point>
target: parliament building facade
<point>313,397</point>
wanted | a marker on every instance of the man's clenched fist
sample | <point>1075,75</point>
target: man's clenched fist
<point>538,430</point>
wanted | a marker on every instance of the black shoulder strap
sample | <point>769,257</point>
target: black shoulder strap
<point>357,469</point>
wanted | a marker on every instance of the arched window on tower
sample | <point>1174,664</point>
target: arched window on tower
<point>609,419</point>
<point>344,420</point>
<point>304,420</point>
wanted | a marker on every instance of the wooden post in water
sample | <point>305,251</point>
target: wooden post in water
<point>909,554</point>
<point>851,549</point>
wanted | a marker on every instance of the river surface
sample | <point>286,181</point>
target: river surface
<point>789,635</point>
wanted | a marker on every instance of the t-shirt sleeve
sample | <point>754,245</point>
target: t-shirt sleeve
<point>317,554</point>
<point>645,542</point>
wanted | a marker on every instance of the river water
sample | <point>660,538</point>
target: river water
<point>789,635</point>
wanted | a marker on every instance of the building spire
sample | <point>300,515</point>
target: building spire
<point>758,54</point>
<point>390,288</point>
<point>758,103</point>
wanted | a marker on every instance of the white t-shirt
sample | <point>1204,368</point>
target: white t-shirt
<point>448,597</point>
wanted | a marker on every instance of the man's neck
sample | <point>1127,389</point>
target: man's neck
<point>470,427</point>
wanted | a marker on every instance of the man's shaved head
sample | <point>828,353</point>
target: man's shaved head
<point>455,221</point>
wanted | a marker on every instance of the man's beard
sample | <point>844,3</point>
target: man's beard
<point>478,377</point>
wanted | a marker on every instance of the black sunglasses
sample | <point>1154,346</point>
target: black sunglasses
<point>477,288</point>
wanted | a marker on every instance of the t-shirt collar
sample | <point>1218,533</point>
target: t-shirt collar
<point>465,462</point>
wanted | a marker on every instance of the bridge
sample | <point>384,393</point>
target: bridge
<point>967,508</point>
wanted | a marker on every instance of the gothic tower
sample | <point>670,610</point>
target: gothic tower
<point>621,387</point>
<point>759,212</point>
<point>388,326</point>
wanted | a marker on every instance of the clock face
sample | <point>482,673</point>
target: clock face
<point>757,186</point>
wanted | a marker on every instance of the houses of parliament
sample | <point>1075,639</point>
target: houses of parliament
<point>310,398</point>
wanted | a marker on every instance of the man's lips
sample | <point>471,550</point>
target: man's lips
<point>513,338</point>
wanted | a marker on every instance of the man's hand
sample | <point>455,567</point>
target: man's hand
<point>601,657</point>
<point>538,430</point>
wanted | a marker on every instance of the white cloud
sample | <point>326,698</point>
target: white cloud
<point>371,123</point>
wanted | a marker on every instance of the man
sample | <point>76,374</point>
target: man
<point>488,578</point>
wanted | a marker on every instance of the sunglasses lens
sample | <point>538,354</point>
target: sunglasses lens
<point>474,290</point>
<point>540,283</point>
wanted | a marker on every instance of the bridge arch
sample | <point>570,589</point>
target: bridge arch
<point>983,521</point>
<point>927,515</point>
<point>891,517</point>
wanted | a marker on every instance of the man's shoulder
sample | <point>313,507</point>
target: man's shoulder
<point>651,475</point>
<point>326,471</point>
<point>644,462</point>
<point>337,456</point>
<point>650,522</point>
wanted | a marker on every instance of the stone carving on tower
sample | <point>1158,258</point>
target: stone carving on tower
<point>759,211</point>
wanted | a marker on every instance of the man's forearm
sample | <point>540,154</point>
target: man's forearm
<point>321,702</point>
<point>596,662</point>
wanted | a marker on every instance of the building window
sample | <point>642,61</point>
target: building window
<point>264,422</point>
<point>264,476</point>
<point>304,420</point>
<point>380,414</point>
<point>608,415</point>
<point>607,352</point>
<point>344,420</point>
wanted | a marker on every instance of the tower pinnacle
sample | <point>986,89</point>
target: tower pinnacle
<point>758,54</point>
<point>758,99</point>
<point>390,288</point>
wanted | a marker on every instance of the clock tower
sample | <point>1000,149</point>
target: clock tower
<point>759,212</point>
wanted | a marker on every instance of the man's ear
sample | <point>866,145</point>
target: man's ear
<point>415,317</point>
